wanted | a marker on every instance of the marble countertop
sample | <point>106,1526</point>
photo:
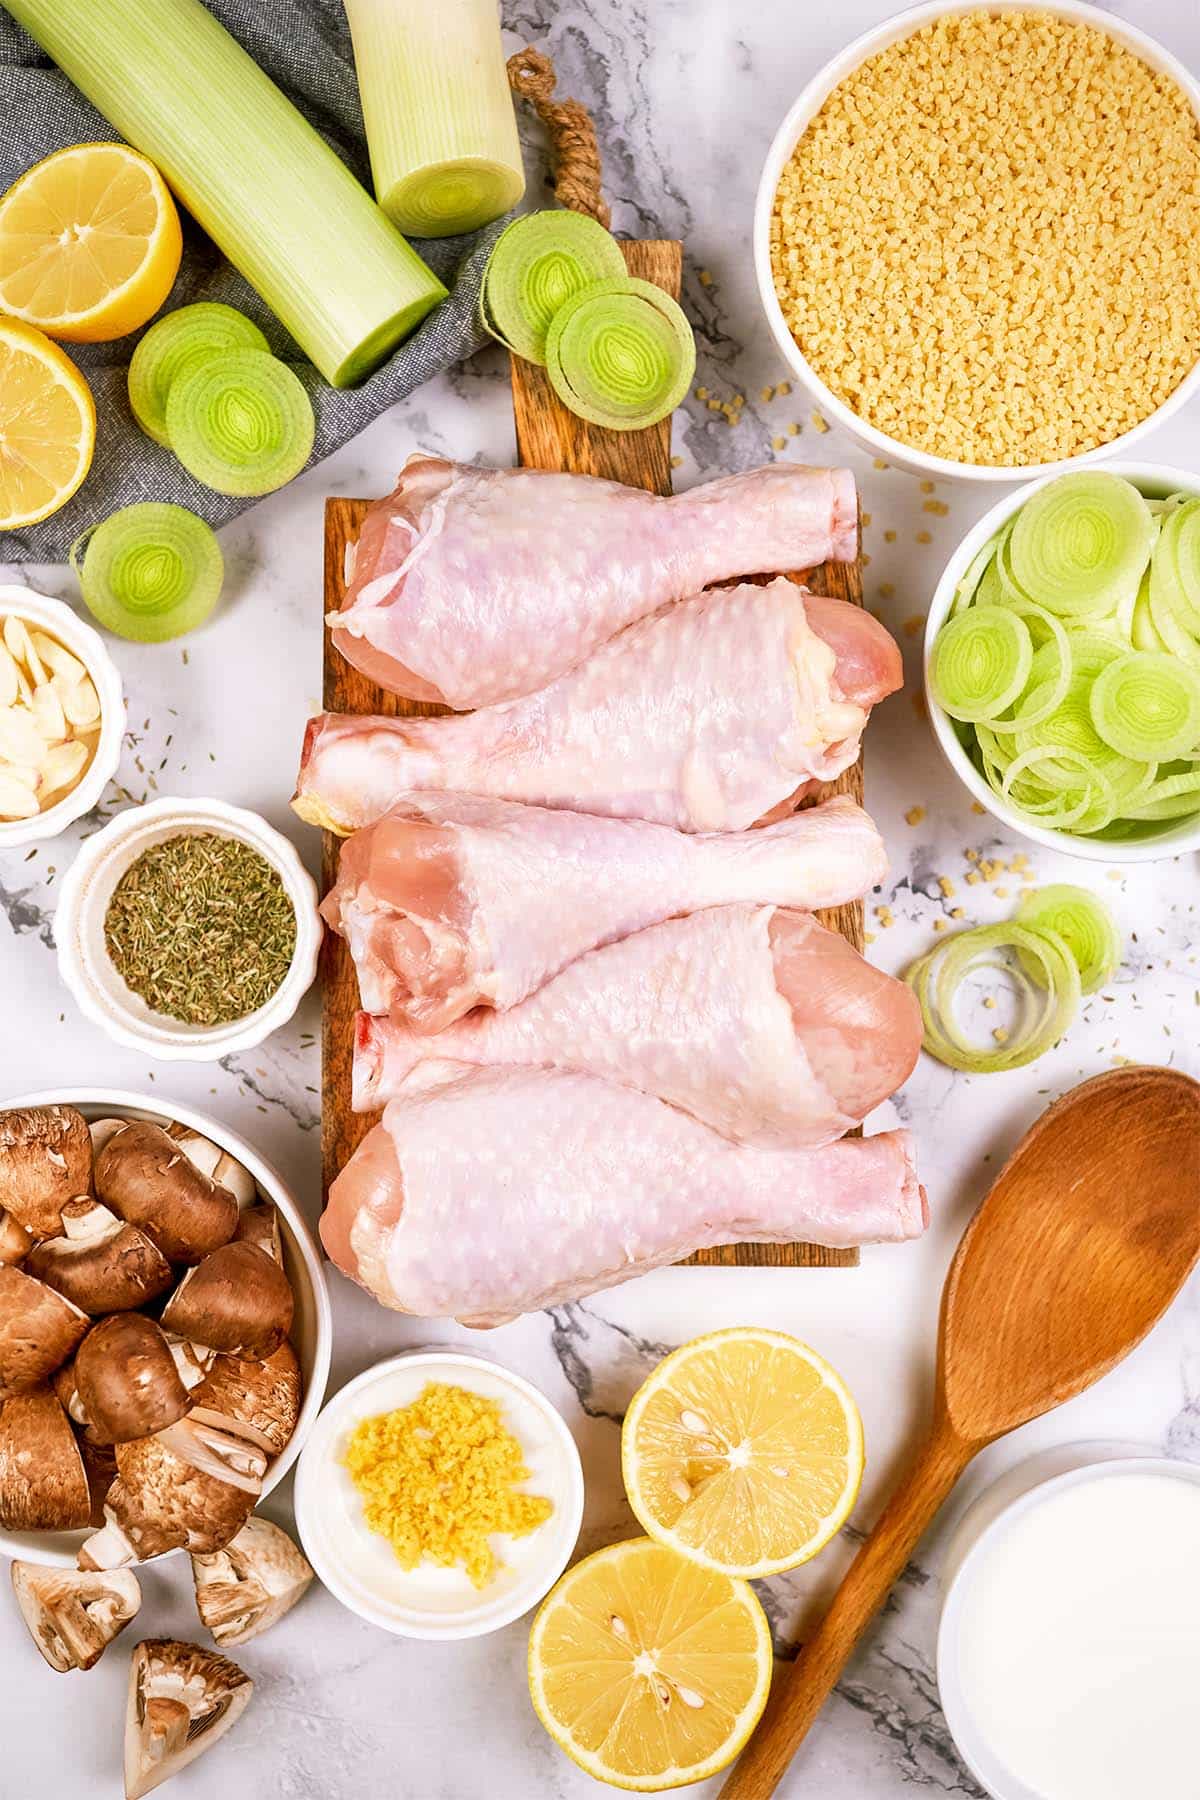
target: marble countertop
<point>686,94</point>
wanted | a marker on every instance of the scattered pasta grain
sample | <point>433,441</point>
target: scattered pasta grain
<point>914,815</point>
<point>889,537</point>
<point>923,537</point>
<point>820,423</point>
<point>987,242</point>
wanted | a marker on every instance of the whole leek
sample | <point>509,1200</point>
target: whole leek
<point>440,119</point>
<point>275,198</point>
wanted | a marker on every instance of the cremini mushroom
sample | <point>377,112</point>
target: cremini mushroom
<point>260,1225</point>
<point>15,1241</point>
<point>100,1262</point>
<point>237,1300</point>
<point>45,1160</point>
<point>246,1588</point>
<point>39,1329</point>
<point>74,1616</point>
<point>126,1381</point>
<point>187,1488</point>
<point>216,1163</point>
<point>182,1700</point>
<point>42,1482</point>
<point>255,1400</point>
<point>143,1176</point>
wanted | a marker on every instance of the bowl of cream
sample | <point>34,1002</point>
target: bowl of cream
<point>1069,1646</point>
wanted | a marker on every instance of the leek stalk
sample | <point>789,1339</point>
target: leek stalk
<point>440,121</point>
<point>275,198</point>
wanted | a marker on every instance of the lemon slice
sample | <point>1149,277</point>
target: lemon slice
<point>649,1671</point>
<point>89,243</point>
<point>744,1451</point>
<point>47,426</point>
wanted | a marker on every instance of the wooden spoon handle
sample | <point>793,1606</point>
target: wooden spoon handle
<point>799,1697</point>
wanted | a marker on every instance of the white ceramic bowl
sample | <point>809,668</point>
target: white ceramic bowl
<point>88,970</point>
<point>58,621</point>
<point>1176,836</point>
<point>810,102</point>
<point>312,1328</point>
<point>360,1567</point>
<point>980,1530</point>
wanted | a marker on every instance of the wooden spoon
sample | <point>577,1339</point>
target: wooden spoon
<point>1087,1235</point>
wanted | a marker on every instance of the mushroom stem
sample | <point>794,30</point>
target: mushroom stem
<point>229,1602</point>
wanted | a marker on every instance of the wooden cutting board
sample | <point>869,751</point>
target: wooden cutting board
<point>548,437</point>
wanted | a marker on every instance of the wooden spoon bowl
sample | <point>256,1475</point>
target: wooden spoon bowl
<point>1086,1236</point>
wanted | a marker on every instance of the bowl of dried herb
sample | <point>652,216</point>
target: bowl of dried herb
<point>188,929</point>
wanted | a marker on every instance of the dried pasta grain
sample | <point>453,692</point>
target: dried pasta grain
<point>987,242</point>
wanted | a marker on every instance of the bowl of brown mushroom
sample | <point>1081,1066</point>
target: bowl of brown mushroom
<point>164,1331</point>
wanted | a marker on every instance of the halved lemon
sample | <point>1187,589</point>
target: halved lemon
<point>743,1451</point>
<point>47,426</point>
<point>89,243</point>
<point>649,1671</point>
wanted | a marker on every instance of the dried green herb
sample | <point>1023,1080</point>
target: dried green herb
<point>201,927</point>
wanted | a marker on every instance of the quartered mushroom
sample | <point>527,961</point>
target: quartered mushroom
<point>39,1330</point>
<point>15,1241</point>
<point>143,1176</point>
<point>126,1382</point>
<point>187,1488</point>
<point>255,1400</point>
<point>73,1616</point>
<point>101,1263</point>
<point>45,1160</point>
<point>43,1486</point>
<point>237,1300</point>
<point>260,1225</point>
<point>246,1588</point>
<point>216,1163</point>
<point>182,1701</point>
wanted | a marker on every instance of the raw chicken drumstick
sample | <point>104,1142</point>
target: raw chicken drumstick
<point>712,716</point>
<point>454,900</point>
<point>486,1193</point>
<point>476,585</point>
<point>754,1019</point>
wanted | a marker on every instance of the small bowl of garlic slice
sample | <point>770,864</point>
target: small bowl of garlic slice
<point>62,717</point>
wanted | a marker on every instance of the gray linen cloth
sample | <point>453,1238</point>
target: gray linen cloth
<point>304,45</point>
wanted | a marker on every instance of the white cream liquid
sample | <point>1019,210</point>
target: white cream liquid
<point>1079,1641</point>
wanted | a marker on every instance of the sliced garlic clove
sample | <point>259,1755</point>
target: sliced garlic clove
<point>9,676</point>
<point>48,715</point>
<point>20,739</point>
<point>28,774</point>
<point>17,800</point>
<point>58,658</point>
<point>80,701</point>
<point>62,766</point>
<point>20,646</point>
